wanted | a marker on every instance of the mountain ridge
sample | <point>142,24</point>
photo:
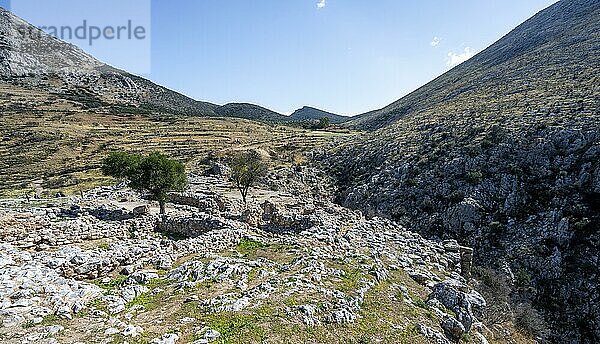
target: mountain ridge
<point>508,58</point>
<point>29,57</point>
<point>311,113</point>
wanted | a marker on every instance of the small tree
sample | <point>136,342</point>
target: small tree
<point>324,122</point>
<point>246,169</point>
<point>155,174</point>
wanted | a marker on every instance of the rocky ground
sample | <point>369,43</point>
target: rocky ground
<point>105,268</point>
<point>525,195</point>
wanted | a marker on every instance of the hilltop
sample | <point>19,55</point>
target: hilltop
<point>310,113</point>
<point>547,64</point>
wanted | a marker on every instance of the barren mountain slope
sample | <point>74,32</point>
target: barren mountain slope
<point>548,63</point>
<point>503,154</point>
<point>310,113</point>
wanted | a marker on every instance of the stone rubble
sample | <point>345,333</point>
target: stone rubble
<point>41,278</point>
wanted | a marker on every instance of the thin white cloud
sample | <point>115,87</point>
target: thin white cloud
<point>454,59</point>
<point>321,4</point>
<point>435,42</point>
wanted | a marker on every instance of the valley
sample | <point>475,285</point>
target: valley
<point>465,212</point>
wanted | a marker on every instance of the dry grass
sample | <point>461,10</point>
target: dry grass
<point>49,145</point>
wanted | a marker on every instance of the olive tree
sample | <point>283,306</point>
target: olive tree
<point>155,174</point>
<point>120,165</point>
<point>246,169</point>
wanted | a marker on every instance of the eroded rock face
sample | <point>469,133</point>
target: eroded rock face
<point>459,298</point>
<point>525,199</point>
<point>500,153</point>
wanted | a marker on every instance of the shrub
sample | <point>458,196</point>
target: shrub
<point>474,177</point>
<point>496,290</point>
<point>528,320</point>
<point>324,123</point>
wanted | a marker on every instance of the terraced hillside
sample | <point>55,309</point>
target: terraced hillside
<point>31,59</point>
<point>48,144</point>
<point>503,154</point>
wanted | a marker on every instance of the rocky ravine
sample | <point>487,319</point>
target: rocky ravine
<point>502,154</point>
<point>88,270</point>
<point>526,198</point>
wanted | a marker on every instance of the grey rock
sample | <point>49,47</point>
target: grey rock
<point>169,338</point>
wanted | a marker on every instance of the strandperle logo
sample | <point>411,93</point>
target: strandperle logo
<point>117,32</point>
<point>91,33</point>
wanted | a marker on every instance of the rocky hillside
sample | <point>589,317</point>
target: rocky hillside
<point>310,113</point>
<point>547,64</point>
<point>29,57</point>
<point>502,154</point>
<point>104,268</point>
<point>33,60</point>
<point>250,111</point>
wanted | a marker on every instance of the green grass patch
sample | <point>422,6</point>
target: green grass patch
<point>351,280</point>
<point>99,305</point>
<point>417,301</point>
<point>112,284</point>
<point>149,302</point>
<point>253,274</point>
<point>248,247</point>
<point>157,283</point>
<point>49,319</point>
<point>237,328</point>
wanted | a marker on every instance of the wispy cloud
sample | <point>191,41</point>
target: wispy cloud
<point>454,59</point>
<point>321,4</point>
<point>435,42</point>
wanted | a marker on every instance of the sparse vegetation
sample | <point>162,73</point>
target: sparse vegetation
<point>63,150</point>
<point>249,246</point>
<point>146,300</point>
<point>528,320</point>
<point>112,284</point>
<point>247,168</point>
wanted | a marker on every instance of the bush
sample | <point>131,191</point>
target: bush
<point>474,177</point>
<point>496,290</point>
<point>528,320</point>
<point>324,123</point>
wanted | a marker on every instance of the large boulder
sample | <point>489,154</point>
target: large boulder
<point>458,297</point>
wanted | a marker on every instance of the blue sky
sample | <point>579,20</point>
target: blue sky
<point>343,56</point>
